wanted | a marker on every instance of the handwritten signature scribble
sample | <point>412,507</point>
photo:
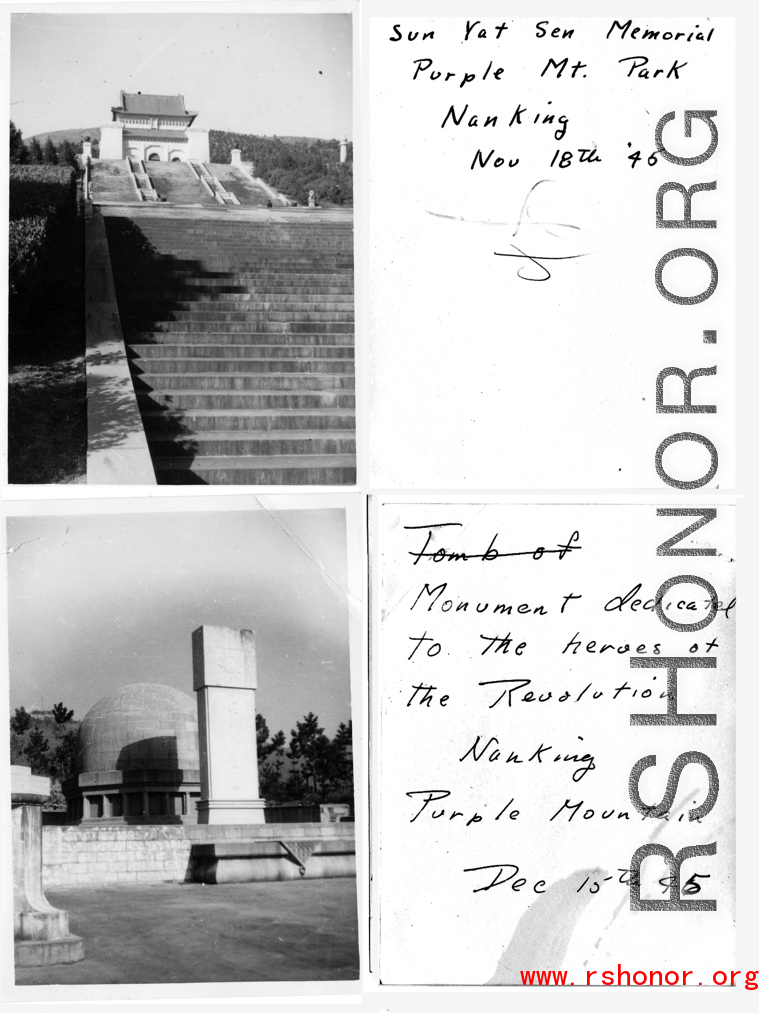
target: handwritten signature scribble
<point>526,219</point>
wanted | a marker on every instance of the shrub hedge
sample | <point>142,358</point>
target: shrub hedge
<point>40,190</point>
<point>39,197</point>
<point>43,208</point>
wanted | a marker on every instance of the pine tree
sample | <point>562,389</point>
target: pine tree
<point>36,751</point>
<point>342,748</point>
<point>21,720</point>
<point>67,154</point>
<point>64,758</point>
<point>62,714</point>
<point>19,154</point>
<point>309,747</point>
<point>49,154</point>
<point>35,152</point>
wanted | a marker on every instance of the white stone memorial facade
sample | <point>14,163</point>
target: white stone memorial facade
<point>224,678</point>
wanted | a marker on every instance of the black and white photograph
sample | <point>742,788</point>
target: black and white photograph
<point>181,248</point>
<point>182,742</point>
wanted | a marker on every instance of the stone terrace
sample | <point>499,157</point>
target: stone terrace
<point>299,931</point>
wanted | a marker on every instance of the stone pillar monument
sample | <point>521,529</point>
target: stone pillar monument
<point>198,144</point>
<point>112,140</point>
<point>224,677</point>
<point>235,156</point>
<point>40,931</point>
<point>344,149</point>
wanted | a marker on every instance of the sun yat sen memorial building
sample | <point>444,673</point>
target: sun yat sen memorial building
<point>153,128</point>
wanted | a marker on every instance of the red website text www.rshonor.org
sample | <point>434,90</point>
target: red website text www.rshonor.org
<point>625,978</point>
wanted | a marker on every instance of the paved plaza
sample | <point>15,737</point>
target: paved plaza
<point>171,933</point>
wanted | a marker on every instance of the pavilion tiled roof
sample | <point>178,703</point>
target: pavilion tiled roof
<point>158,105</point>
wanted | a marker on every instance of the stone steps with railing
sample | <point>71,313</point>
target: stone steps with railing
<point>241,343</point>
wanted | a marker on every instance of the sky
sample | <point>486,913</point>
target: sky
<point>284,74</point>
<point>99,601</point>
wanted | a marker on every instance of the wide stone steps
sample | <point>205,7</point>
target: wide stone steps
<point>309,299</point>
<point>235,181</point>
<point>262,324</point>
<point>252,367</point>
<point>244,302</point>
<point>211,351</point>
<point>249,254</point>
<point>228,443</point>
<point>192,338</point>
<point>169,383</point>
<point>112,181</point>
<point>241,347</point>
<point>263,266</point>
<point>237,230</point>
<point>264,275</point>
<point>296,469</point>
<point>297,308</point>
<point>260,313</point>
<point>201,420</point>
<point>228,400</point>
<point>176,183</point>
<point>225,293</point>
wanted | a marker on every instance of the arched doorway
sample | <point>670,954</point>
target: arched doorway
<point>154,157</point>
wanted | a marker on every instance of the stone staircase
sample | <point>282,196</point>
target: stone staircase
<point>240,330</point>
<point>112,180</point>
<point>144,184</point>
<point>131,181</point>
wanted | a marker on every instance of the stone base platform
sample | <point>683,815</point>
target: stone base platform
<point>119,855</point>
<point>44,952</point>
<point>266,861</point>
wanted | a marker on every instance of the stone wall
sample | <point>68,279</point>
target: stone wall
<point>122,854</point>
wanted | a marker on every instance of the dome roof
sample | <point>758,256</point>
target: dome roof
<point>144,726</point>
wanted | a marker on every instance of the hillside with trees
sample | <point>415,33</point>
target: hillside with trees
<point>59,148</point>
<point>293,165</point>
<point>46,742</point>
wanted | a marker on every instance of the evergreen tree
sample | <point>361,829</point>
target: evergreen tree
<point>19,154</point>
<point>64,757</point>
<point>36,751</point>
<point>342,752</point>
<point>309,750</point>
<point>35,152</point>
<point>270,760</point>
<point>49,154</point>
<point>67,155</point>
<point>17,749</point>
<point>62,714</point>
<point>21,720</point>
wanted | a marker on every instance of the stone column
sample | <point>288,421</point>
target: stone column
<point>40,931</point>
<point>344,149</point>
<point>224,677</point>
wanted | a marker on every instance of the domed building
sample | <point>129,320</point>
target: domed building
<point>137,758</point>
